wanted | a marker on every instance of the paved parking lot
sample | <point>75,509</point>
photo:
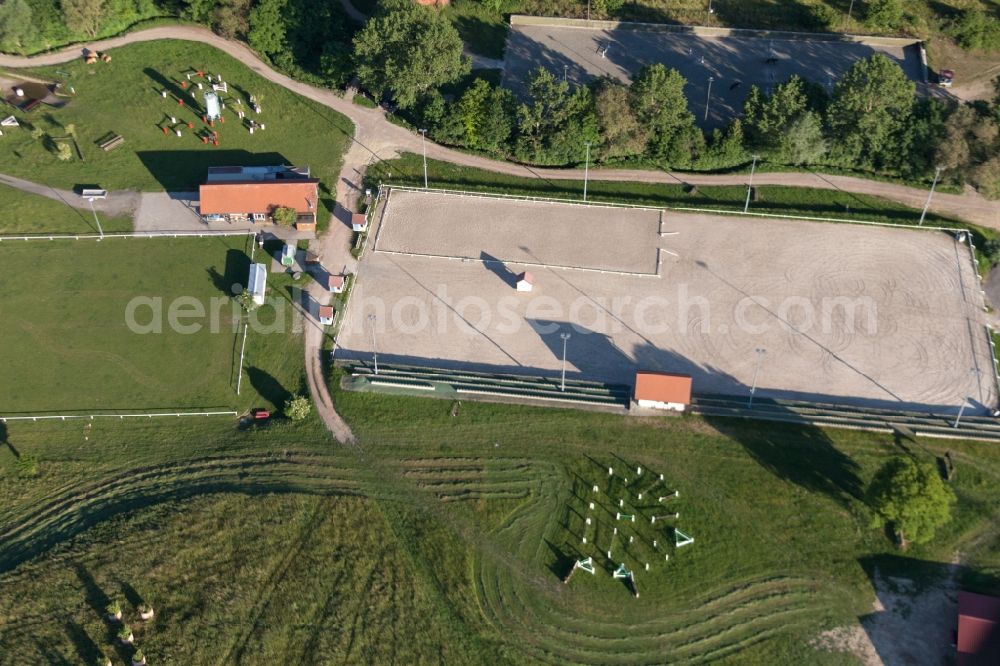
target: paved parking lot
<point>733,63</point>
<point>848,314</point>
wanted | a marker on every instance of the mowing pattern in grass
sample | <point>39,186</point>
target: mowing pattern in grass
<point>460,545</point>
<point>123,97</point>
<point>69,346</point>
<point>31,214</point>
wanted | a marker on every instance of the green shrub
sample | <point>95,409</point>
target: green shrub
<point>297,407</point>
<point>114,608</point>
<point>975,30</point>
<point>246,301</point>
<point>27,465</point>
<point>884,14</point>
<point>991,250</point>
<point>362,100</point>
<point>284,216</point>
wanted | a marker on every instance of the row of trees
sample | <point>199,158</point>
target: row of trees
<point>870,119</point>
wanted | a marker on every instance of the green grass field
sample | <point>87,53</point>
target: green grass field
<point>444,538</point>
<point>123,97</point>
<point>32,214</point>
<point>68,345</point>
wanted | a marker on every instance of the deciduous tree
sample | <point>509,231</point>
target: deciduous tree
<point>297,407</point>
<point>662,109</point>
<point>884,14</point>
<point>231,18</point>
<point>16,26</point>
<point>802,141</point>
<point>267,27</point>
<point>557,122</point>
<point>621,133</point>
<point>768,117</point>
<point>487,115</point>
<point>408,49</point>
<point>83,16</point>
<point>870,102</point>
<point>912,498</point>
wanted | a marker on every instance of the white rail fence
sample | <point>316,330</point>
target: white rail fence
<point>91,417</point>
<point>135,234</point>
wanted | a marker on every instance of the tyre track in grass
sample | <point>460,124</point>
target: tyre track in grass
<point>63,517</point>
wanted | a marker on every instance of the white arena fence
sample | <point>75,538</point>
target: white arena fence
<point>91,417</point>
<point>686,209</point>
<point>135,234</point>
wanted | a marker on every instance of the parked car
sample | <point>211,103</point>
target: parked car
<point>945,77</point>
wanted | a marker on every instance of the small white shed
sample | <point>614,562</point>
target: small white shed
<point>257,282</point>
<point>359,222</point>
<point>326,315</point>
<point>335,283</point>
<point>525,281</point>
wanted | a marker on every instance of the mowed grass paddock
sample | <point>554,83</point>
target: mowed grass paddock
<point>68,345</point>
<point>32,214</point>
<point>123,97</point>
<point>445,538</point>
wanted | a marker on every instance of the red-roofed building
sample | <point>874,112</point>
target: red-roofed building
<point>978,630</point>
<point>244,194</point>
<point>662,390</point>
<point>525,281</point>
<point>326,315</point>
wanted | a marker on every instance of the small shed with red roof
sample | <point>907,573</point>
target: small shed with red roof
<point>662,390</point>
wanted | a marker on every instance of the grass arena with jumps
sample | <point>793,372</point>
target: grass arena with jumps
<point>851,314</point>
<point>446,537</point>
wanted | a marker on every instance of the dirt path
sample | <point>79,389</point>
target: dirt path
<point>124,202</point>
<point>379,139</point>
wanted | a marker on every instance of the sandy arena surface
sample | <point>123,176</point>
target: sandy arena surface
<point>521,231</point>
<point>735,63</point>
<point>851,314</point>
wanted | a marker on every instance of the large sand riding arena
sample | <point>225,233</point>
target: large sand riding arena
<point>843,313</point>
<point>521,231</point>
<point>735,60</point>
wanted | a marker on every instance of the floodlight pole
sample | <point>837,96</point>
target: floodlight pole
<point>97,221</point>
<point>961,410</point>
<point>746,206</point>
<point>930,195</point>
<point>562,383</point>
<point>850,9</point>
<point>708,16</point>
<point>586,172</point>
<point>243,347</point>
<point>423,144</point>
<point>753,387</point>
<point>372,319</point>
<point>588,10</point>
<point>708,98</point>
